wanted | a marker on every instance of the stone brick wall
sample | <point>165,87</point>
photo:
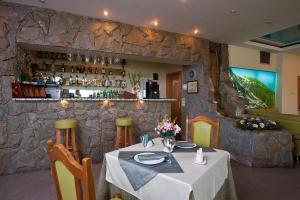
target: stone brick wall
<point>29,125</point>
<point>257,148</point>
<point>26,126</point>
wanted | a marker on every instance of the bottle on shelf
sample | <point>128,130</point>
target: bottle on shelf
<point>44,66</point>
<point>95,82</point>
<point>63,69</point>
<point>72,69</point>
<point>61,80</point>
<point>76,80</point>
<point>71,80</point>
<point>84,81</point>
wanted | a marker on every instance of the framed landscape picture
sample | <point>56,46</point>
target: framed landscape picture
<point>192,87</point>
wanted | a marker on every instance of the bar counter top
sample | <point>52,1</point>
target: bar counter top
<point>89,99</point>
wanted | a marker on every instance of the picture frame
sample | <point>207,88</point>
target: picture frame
<point>192,87</point>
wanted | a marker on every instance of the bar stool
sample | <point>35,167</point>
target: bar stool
<point>124,124</point>
<point>64,126</point>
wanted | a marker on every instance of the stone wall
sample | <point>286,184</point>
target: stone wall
<point>25,127</point>
<point>257,148</point>
<point>30,124</point>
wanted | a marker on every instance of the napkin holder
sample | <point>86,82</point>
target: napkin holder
<point>147,140</point>
<point>200,158</point>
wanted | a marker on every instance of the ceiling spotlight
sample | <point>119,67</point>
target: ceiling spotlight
<point>196,31</point>
<point>42,1</point>
<point>155,22</point>
<point>232,11</point>
<point>105,12</point>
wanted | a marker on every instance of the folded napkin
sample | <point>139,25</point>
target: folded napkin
<point>145,157</point>
<point>140,174</point>
<point>184,144</point>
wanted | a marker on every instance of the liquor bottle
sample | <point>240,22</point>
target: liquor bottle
<point>95,82</point>
<point>84,81</point>
<point>44,66</point>
<point>98,94</point>
<point>63,69</point>
<point>72,70</point>
<point>61,80</point>
<point>76,80</point>
<point>71,80</point>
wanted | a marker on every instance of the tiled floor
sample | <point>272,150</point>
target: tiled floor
<point>251,184</point>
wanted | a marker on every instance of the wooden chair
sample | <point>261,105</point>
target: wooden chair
<point>203,131</point>
<point>68,174</point>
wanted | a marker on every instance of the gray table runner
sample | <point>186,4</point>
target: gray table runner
<point>139,174</point>
<point>188,150</point>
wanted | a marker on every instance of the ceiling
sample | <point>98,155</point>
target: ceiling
<point>248,19</point>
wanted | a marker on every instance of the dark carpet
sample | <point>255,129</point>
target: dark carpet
<point>251,184</point>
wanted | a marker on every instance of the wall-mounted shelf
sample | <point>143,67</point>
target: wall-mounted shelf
<point>79,68</point>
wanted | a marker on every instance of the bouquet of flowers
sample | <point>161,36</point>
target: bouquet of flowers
<point>257,124</point>
<point>167,128</point>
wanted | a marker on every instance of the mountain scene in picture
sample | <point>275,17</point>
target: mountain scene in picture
<point>256,87</point>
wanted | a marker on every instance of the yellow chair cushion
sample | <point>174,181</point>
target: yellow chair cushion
<point>66,181</point>
<point>116,198</point>
<point>202,131</point>
<point>65,124</point>
<point>124,121</point>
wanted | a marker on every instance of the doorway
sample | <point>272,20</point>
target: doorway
<point>298,93</point>
<point>174,92</point>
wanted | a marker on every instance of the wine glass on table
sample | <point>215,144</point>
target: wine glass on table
<point>169,143</point>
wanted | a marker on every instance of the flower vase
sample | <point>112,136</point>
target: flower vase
<point>165,149</point>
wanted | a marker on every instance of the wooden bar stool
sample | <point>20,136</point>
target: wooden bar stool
<point>67,126</point>
<point>124,124</point>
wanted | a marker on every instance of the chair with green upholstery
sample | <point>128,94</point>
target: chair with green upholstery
<point>68,174</point>
<point>205,132</point>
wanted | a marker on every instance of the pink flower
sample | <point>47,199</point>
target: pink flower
<point>262,125</point>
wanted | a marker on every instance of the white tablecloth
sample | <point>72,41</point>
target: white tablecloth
<point>204,180</point>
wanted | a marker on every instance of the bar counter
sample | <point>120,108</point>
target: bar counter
<point>30,123</point>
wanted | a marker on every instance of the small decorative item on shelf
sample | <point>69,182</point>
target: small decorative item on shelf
<point>167,129</point>
<point>257,123</point>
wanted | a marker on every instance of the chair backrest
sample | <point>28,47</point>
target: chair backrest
<point>68,174</point>
<point>205,132</point>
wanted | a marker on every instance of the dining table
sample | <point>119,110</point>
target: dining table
<point>183,179</point>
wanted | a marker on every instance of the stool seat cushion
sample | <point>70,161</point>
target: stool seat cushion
<point>65,124</point>
<point>124,121</point>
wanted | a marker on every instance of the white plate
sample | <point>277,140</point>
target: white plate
<point>177,144</point>
<point>148,162</point>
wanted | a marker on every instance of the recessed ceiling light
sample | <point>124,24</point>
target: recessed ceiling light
<point>232,11</point>
<point>42,1</point>
<point>155,22</point>
<point>105,13</point>
<point>196,31</point>
<point>268,21</point>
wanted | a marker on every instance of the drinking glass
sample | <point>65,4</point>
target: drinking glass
<point>169,143</point>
